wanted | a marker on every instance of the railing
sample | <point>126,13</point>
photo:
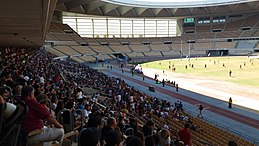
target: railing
<point>227,129</point>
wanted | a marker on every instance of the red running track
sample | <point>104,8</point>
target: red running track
<point>220,111</point>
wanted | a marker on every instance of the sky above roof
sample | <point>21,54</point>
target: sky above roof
<point>174,3</point>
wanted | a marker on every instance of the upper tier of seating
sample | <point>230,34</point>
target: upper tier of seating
<point>250,22</point>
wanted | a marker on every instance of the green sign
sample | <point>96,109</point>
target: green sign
<point>188,20</point>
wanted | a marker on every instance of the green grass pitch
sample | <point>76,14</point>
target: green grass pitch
<point>244,70</point>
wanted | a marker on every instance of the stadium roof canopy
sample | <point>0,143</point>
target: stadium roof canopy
<point>174,3</point>
<point>158,8</point>
<point>24,23</point>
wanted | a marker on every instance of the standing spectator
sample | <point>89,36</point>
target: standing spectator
<point>113,138</point>
<point>200,111</point>
<point>230,72</point>
<point>176,87</point>
<point>33,122</point>
<point>163,82</point>
<point>89,137</point>
<point>164,137</point>
<point>149,141</point>
<point>230,103</point>
<point>111,124</point>
<point>185,135</point>
<point>134,141</point>
<point>148,128</point>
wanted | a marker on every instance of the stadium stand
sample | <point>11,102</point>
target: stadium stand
<point>140,48</point>
<point>171,54</point>
<point>228,34</point>
<point>205,35</point>
<point>55,52</point>
<point>247,33</point>
<point>203,46</point>
<point>66,50</point>
<point>219,27</point>
<point>203,133</point>
<point>87,58</point>
<point>223,45</point>
<point>121,48</point>
<point>101,49</point>
<point>234,25</point>
<point>250,21</point>
<point>152,53</point>
<point>247,44</point>
<point>135,54</point>
<point>203,28</point>
<point>256,33</point>
<point>91,41</point>
<point>134,41</point>
<point>76,59</point>
<point>83,50</point>
<point>159,47</point>
<point>112,41</point>
<point>154,40</point>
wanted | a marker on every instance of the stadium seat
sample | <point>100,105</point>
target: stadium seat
<point>11,127</point>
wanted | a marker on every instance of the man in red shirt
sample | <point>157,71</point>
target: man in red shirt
<point>33,123</point>
<point>185,135</point>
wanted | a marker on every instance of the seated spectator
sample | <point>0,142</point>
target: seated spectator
<point>60,106</point>
<point>87,110</point>
<point>232,143</point>
<point>94,121</point>
<point>17,90</point>
<point>43,99</point>
<point>185,135</point>
<point>150,141</point>
<point>89,137</point>
<point>133,124</point>
<point>33,122</point>
<point>112,138</point>
<point>134,141</point>
<point>54,101</point>
<point>140,135</point>
<point>148,128</point>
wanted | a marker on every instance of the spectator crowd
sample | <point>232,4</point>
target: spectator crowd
<point>117,114</point>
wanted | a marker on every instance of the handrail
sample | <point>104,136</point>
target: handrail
<point>227,129</point>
